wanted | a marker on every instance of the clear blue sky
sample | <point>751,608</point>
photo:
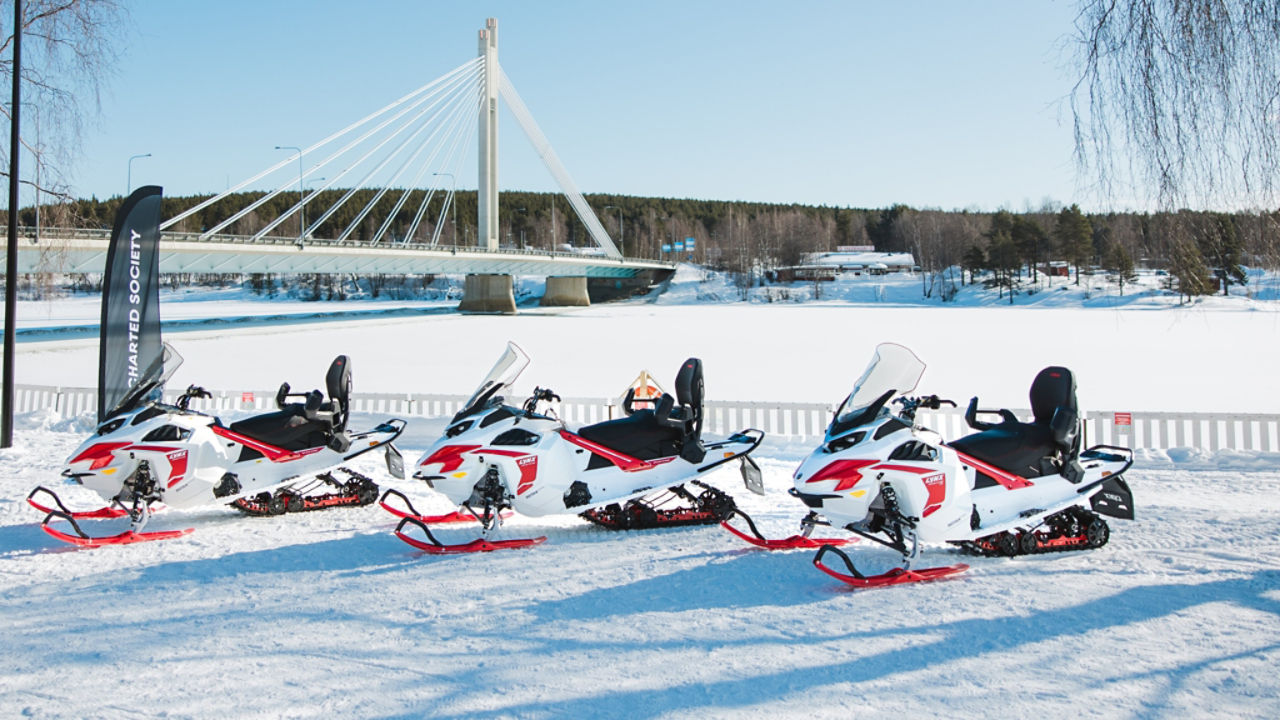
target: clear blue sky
<point>932,104</point>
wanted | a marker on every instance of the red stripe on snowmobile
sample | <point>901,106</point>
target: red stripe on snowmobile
<point>449,457</point>
<point>99,453</point>
<point>849,472</point>
<point>1007,479</point>
<point>904,468</point>
<point>271,452</point>
<point>626,462</point>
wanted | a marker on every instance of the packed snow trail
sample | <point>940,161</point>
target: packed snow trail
<point>329,614</point>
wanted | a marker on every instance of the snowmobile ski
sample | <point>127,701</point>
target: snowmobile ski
<point>896,576</point>
<point>456,516</point>
<point>435,547</point>
<point>357,491</point>
<point>83,539</point>
<point>706,508</point>
<point>102,512</point>
<point>795,542</point>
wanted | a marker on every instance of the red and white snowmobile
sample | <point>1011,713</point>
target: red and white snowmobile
<point>148,452</point>
<point>1013,488</point>
<point>621,474</point>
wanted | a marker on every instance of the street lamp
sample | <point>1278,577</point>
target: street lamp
<point>302,196</point>
<point>129,178</point>
<point>621,230</point>
<point>453,201</point>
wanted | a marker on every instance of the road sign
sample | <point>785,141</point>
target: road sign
<point>689,243</point>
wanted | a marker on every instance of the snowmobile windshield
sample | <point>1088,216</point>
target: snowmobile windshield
<point>894,370</point>
<point>504,373</point>
<point>151,381</point>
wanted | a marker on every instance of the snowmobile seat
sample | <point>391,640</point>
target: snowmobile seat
<point>1049,445</point>
<point>288,428</point>
<point>639,434</point>
<point>663,431</point>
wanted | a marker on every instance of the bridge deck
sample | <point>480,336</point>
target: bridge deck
<point>76,251</point>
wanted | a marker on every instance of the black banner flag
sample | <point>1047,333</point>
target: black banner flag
<point>130,339</point>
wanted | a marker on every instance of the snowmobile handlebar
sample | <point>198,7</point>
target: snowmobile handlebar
<point>192,392</point>
<point>540,394</point>
<point>928,402</point>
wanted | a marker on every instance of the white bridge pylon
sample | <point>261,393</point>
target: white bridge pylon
<point>412,144</point>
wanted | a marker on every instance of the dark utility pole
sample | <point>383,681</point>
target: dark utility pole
<point>11,257</point>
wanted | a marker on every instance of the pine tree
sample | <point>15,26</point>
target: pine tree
<point>1074,237</point>
<point>1188,268</point>
<point>1118,261</point>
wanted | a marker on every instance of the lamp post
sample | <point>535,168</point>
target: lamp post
<point>302,197</point>
<point>36,152</point>
<point>453,201</point>
<point>129,177</point>
<point>622,232</point>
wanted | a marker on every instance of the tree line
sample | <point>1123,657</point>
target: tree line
<point>1203,252</point>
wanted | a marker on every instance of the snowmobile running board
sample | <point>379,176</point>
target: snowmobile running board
<point>102,512</point>
<point>795,542</point>
<point>435,547</point>
<point>896,576</point>
<point>456,516</point>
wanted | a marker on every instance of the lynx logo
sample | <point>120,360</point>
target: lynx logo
<point>177,466</point>
<point>937,486</point>
<point>528,465</point>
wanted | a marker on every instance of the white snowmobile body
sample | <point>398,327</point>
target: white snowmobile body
<point>525,458</point>
<point>1008,478</point>
<point>155,452</point>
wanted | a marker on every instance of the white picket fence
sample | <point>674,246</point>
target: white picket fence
<point>792,421</point>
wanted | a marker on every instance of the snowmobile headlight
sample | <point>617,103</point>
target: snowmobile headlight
<point>111,426</point>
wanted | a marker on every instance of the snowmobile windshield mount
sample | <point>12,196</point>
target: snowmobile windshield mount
<point>150,381</point>
<point>894,370</point>
<point>504,373</point>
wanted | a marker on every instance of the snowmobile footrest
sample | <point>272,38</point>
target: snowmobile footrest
<point>435,547</point>
<point>790,543</point>
<point>896,576</point>
<point>83,539</point>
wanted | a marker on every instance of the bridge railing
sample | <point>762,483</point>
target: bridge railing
<point>169,235</point>
<point>797,422</point>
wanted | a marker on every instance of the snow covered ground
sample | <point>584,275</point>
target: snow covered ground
<point>328,614</point>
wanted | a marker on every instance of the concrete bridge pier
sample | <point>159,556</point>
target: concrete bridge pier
<point>488,294</point>
<point>566,291</point>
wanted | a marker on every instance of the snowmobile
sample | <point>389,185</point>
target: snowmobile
<point>624,473</point>
<point>147,452</point>
<point>1012,488</point>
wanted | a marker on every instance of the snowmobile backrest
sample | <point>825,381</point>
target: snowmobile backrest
<point>689,385</point>
<point>1053,388</point>
<point>338,382</point>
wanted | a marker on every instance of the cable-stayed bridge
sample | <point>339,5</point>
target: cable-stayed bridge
<point>375,197</point>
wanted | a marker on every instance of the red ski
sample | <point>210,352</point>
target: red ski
<point>435,547</point>
<point>456,516</point>
<point>896,576</point>
<point>789,543</point>
<point>83,539</point>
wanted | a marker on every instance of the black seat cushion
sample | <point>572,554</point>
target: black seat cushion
<point>288,429</point>
<point>639,435</point>
<point>1016,447</point>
